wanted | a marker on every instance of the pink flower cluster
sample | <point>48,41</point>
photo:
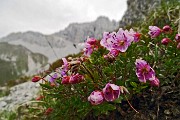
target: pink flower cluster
<point>72,79</point>
<point>114,42</point>
<point>68,78</point>
<point>144,72</point>
<point>109,93</point>
<point>68,73</point>
<point>120,41</point>
<point>155,31</point>
<point>90,46</point>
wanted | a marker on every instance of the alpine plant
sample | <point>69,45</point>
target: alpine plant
<point>144,72</point>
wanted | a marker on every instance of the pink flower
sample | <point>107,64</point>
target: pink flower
<point>107,40</point>
<point>143,70</point>
<point>114,53</point>
<point>111,92</point>
<point>167,29</point>
<point>111,55</point>
<point>65,67</point>
<point>53,77</point>
<point>90,46</point>
<point>177,38</point>
<point>136,35</point>
<point>154,31</point>
<point>77,78</point>
<point>155,82</point>
<point>65,80</point>
<point>178,46</point>
<point>119,41</point>
<point>96,98</point>
<point>88,50</point>
<point>122,40</point>
<point>91,41</point>
<point>165,41</point>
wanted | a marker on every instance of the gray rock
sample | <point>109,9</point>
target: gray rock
<point>2,104</point>
<point>137,11</point>
<point>78,32</point>
<point>19,94</point>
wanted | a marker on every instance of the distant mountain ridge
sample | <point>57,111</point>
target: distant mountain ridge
<point>77,32</point>
<point>50,47</point>
<point>16,60</point>
<point>34,38</point>
<point>63,42</point>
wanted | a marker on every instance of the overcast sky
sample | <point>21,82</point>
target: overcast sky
<point>49,16</point>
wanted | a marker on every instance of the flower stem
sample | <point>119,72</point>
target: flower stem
<point>131,105</point>
<point>88,72</point>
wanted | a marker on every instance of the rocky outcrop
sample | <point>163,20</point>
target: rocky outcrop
<point>19,94</point>
<point>16,60</point>
<point>34,38</point>
<point>138,10</point>
<point>78,32</point>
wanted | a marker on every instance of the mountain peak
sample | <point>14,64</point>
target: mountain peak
<point>100,18</point>
<point>78,32</point>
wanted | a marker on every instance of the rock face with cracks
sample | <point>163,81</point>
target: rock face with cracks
<point>138,10</point>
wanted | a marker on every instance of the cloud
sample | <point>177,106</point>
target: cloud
<point>48,16</point>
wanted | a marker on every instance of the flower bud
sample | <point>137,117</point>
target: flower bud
<point>177,38</point>
<point>178,46</point>
<point>155,82</point>
<point>91,41</point>
<point>137,37</point>
<point>52,84</point>
<point>77,78</point>
<point>36,78</point>
<point>154,31</point>
<point>114,53</point>
<point>109,58</point>
<point>124,90</point>
<point>96,97</point>
<point>167,29</point>
<point>39,98</point>
<point>165,41</point>
<point>48,111</point>
<point>65,80</point>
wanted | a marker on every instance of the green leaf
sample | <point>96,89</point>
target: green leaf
<point>103,108</point>
<point>118,100</point>
<point>133,84</point>
<point>45,86</point>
